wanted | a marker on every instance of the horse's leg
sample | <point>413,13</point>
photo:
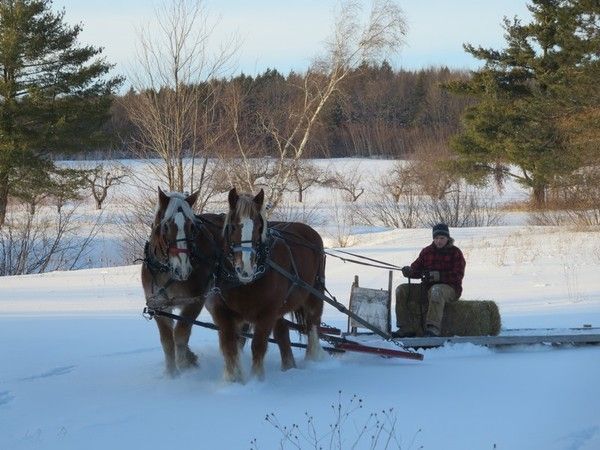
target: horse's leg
<point>262,330</point>
<point>244,327</point>
<point>313,311</point>
<point>281,333</point>
<point>185,357</point>
<point>165,329</point>
<point>228,337</point>
<point>228,342</point>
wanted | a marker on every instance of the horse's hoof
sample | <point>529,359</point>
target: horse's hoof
<point>259,374</point>
<point>287,365</point>
<point>317,355</point>
<point>235,377</point>
<point>172,372</point>
<point>190,361</point>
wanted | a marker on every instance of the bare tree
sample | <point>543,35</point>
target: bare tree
<point>34,242</point>
<point>176,95</point>
<point>102,177</point>
<point>353,42</point>
<point>348,181</point>
<point>304,175</point>
<point>393,201</point>
<point>462,206</point>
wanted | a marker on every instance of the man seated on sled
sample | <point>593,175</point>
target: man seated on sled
<point>441,267</point>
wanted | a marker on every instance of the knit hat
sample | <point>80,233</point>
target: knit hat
<point>441,229</point>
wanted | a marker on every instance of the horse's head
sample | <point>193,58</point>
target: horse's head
<point>245,232</point>
<point>173,232</point>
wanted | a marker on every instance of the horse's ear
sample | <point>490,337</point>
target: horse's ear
<point>163,199</point>
<point>191,199</point>
<point>260,198</point>
<point>233,198</point>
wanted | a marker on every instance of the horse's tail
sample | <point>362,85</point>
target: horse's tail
<point>310,314</point>
<point>300,320</point>
<point>320,280</point>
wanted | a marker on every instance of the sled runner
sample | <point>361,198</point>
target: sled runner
<point>514,337</point>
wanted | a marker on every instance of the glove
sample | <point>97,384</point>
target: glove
<point>433,276</point>
<point>406,271</point>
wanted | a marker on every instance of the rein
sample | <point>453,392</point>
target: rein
<point>379,265</point>
<point>300,241</point>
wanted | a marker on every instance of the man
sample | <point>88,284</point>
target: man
<point>441,266</point>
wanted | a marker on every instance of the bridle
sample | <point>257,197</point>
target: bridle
<point>195,254</point>
<point>259,248</point>
<point>238,247</point>
<point>174,250</point>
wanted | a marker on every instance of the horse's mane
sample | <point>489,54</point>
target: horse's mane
<point>245,207</point>
<point>177,201</point>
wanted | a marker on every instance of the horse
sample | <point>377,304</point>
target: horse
<point>250,291</point>
<point>178,265</point>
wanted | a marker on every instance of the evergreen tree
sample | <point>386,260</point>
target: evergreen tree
<point>54,95</point>
<point>526,91</point>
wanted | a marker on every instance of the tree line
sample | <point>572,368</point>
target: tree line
<point>377,111</point>
<point>531,112</point>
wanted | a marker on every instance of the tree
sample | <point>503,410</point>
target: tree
<point>305,174</point>
<point>102,177</point>
<point>525,92</point>
<point>54,94</point>
<point>174,106</point>
<point>349,181</point>
<point>353,42</point>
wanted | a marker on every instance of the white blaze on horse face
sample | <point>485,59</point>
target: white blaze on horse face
<point>246,274</point>
<point>180,261</point>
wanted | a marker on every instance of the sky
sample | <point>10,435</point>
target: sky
<point>286,35</point>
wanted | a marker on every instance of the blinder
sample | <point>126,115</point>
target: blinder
<point>192,250</point>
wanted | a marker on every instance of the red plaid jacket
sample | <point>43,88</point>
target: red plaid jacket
<point>449,261</point>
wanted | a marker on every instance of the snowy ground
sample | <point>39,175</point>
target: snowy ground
<point>82,369</point>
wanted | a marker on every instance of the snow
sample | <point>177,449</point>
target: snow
<point>82,369</point>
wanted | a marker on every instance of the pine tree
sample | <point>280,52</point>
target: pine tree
<point>526,92</point>
<point>54,95</point>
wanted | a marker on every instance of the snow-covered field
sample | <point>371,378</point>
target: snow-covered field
<point>82,369</point>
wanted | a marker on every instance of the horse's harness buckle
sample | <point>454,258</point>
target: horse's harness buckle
<point>260,271</point>
<point>148,313</point>
<point>214,291</point>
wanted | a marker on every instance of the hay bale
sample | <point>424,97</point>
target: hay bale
<point>471,318</point>
<point>461,318</point>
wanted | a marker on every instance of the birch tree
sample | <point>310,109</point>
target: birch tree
<point>354,40</point>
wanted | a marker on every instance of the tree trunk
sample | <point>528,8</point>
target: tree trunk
<point>539,196</point>
<point>3,197</point>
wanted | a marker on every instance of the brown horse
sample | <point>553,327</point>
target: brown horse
<point>250,291</point>
<point>179,263</point>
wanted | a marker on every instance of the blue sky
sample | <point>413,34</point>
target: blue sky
<point>287,34</point>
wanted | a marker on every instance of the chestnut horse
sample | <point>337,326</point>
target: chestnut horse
<point>179,262</point>
<point>250,291</point>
